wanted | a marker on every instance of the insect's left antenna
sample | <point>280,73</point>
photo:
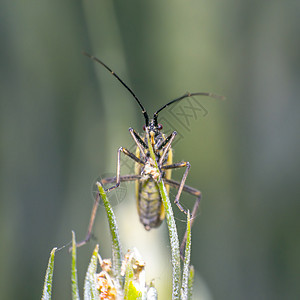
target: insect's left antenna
<point>123,83</point>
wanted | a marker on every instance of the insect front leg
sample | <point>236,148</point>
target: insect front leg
<point>167,144</point>
<point>139,141</point>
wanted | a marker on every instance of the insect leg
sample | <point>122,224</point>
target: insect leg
<point>132,156</point>
<point>167,144</point>
<point>139,141</point>
<point>174,166</point>
<point>124,178</point>
<point>193,192</point>
<point>91,223</point>
<point>189,190</point>
<point>115,180</point>
<point>163,143</point>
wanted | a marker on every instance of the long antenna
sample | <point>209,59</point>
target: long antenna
<point>123,83</point>
<point>187,95</point>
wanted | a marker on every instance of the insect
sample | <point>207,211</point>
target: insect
<point>149,204</point>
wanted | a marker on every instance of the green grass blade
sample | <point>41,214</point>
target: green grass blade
<point>128,279</point>
<point>130,291</point>
<point>174,241</point>
<point>116,245</point>
<point>186,264</point>
<point>74,279</point>
<point>49,277</point>
<point>133,293</point>
<point>90,291</point>
<point>135,277</point>
<point>191,282</point>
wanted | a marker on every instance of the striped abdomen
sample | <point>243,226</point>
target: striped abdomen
<point>150,207</point>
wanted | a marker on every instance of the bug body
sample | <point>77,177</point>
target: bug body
<point>149,204</point>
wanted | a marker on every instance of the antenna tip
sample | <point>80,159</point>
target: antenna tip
<point>86,54</point>
<point>220,97</point>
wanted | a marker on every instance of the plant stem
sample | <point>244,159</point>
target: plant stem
<point>174,241</point>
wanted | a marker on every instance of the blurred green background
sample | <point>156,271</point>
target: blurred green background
<point>63,117</point>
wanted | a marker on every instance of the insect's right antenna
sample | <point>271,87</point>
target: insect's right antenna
<point>187,95</point>
<point>123,83</point>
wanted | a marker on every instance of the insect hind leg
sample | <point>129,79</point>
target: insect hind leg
<point>191,191</point>
<point>117,180</point>
<point>124,178</point>
<point>182,183</point>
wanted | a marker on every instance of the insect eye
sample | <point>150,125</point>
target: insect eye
<point>159,127</point>
<point>144,127</point>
